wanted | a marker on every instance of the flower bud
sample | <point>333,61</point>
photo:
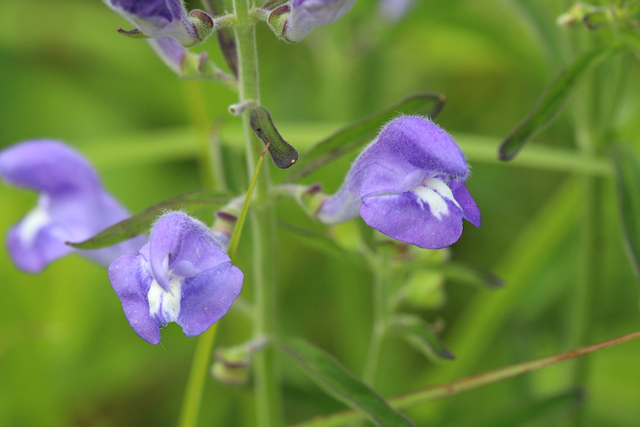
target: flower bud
<point>164,18</point>
<point>295,19</point>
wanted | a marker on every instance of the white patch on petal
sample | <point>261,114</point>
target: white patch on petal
<point>31,224</point>
<point>433,193</point>
<point>169,302</point>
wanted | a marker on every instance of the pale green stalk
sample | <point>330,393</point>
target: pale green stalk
<point>267,393</point>
<point>381,283</point>
<point>593,117</point>
<point>418,397</point>
<point>195,385</point>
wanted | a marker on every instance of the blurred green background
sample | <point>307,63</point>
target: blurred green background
<point>67,354</point>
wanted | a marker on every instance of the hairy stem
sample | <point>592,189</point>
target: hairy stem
<point>267,395</point>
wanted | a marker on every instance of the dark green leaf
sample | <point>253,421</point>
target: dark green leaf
<point>469,274</point>
<point>141,222</point>
<point>363,131</point>
<point>329,374</point>
<point>627,172</point>
<point>551,101</point>
<point>416,331</point>
<point>282,153</point>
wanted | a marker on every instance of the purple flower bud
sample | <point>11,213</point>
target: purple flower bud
<point>294,20</point>
<point>165,18</point>
<point>182,275</point>
<point>72,206</point>
<point>408,184</point>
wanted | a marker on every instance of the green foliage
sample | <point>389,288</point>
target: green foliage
<point>67,354</point>
<point>628,186</point>
<point>553,99</point>
<point>329,374</point>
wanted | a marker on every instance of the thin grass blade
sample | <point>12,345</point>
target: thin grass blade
<point>551,101</point>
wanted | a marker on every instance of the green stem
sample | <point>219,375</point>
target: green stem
<point>581,311</point>
<point>197,376</point>
<point>381,279</point>
<point>262,220</point>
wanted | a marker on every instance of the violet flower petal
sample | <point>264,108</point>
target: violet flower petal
<point>470,210</point>
<point>207,297</point>
<point>176,239</point>
<point>72,206</point>
<point>412,165</point>
<point>308,14</point>
<point>200,284</point>
<point>47,166</point>
<point>132,287</point>
<point>157,18</point>
<point>170,51</point>
<point>402,217</point>
<point>165,18</point>
<point>32,249</point>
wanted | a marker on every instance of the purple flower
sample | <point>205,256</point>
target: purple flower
<point>294,20</point>
<point>165,18</point>
<point>408,184</point>
<point>72,206</point>
<point>182,275</point>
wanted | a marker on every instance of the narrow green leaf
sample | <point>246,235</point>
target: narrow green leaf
<point>417,333</point>
<point>469,274</point>
<point>627,172</point>
<point>329,374</point>
<point>141,222</point>
<point>418,397</point>
<point>282,153</point>
<point>551,101</point>
<point>363,131</point>
<point>237,229</point>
